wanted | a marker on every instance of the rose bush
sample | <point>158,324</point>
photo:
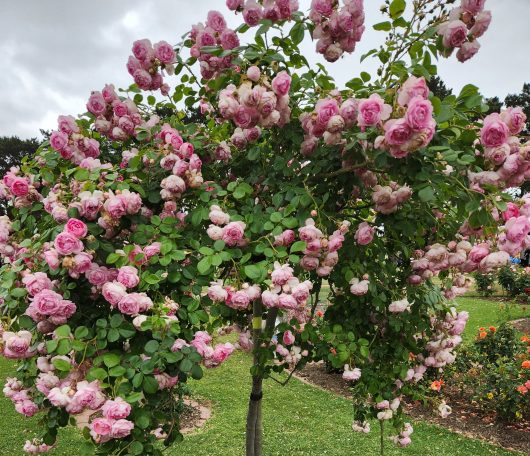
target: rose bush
<point>144,225</point>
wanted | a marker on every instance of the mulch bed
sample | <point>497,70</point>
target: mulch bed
<point>466,419</point>
<point>194,415</point>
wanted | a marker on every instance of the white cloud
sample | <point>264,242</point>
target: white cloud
<point>54,53</point>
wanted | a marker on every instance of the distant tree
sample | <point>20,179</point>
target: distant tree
<point>521,99</point>
<point>12,149</point>
<point>438,87</point>
<point>494,103</point>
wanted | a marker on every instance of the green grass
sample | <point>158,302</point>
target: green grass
<point>484,313</point>
<point>298,419</point>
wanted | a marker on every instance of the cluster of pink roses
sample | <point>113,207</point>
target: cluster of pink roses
<point>321,253</point>
<point>416,128</point>
<point>71,143</point>
<point>273,10</point>
<point>36,446</point>
<point>6,249</point>
<point>289,356</point>
<point>337,29</point>
<point>287,292</point>
<point>235,299</point>
<point>465,24</point>
<point>22,188</point>
<point>251,106</point>
<point>180,158</point>
<point>211,356</point>
<point>387,409</point>
<point>21,397</point>
<point>115,118</point>
<point>233,233</point>
<point>359,287</point>
<point>403,439</point>
<point>214,33</point>
<point>145,62</point>
<point>17,345</point>
<point>514,236</point>
<point>503,151</point>
<point>113,424</point>
<point>388,198</point>
<point>328,120</point>
<point>117,296</point>
<point>47,307</point>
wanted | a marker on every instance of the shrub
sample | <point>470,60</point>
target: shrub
<point>485,283</point>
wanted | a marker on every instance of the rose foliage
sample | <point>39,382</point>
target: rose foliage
<point>233,200</point>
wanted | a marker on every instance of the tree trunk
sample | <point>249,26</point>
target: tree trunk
<point>254,434</point>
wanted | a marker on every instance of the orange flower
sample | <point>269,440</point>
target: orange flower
<point>526,364</point>
<point>493,328</point>
<point>320,314</point>
<point>482,328</point>
<point>482,334</point>
<point>437,385</point>
<point>527,384</point>
<point>522,389</point>
<point>524,338</point>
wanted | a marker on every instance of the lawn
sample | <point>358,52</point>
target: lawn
<point>298,419</point>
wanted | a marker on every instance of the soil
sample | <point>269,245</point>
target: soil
<point>466,419</point>
<point>522,325</point>
<point>194,416</point>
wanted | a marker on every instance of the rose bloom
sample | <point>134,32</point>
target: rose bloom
<point>233,233</point>
<point>113,292</point>
<point>419,113</point>
<point>164,52</point>
<point>495,132</point>
<point>19,186</point>
<point>482,23</point>
<point>253,73</point>
<point>101,426</point>
<point>514,118</point>
<point>252,13</point>
<point>473,6</point>
<point>397,132</point>
<point>412,88</point>
<point>372,111</point>
<point>129,304</point>
<point>47,302</point>
<point>116,409</point>
<point>239,300</point>
<point>128,276</point>
<point>364,234</point>
<point>76,227</point>
<point>454,33</point>
<point>288,338</point>
<point>281,83</point>
<point>66,243</point>
<point>37,282</point>
<point>468,50</point>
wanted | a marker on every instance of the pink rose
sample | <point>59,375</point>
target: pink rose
<point>517,229</point>
<point>482,23</point>
<point>52,258</point>
<point>494,132</point>
<point>473,6</point>
<point>76,227</point>
<point>478,252</point>
<point>221,353</point>
<point>281,83</point>
<point>58,140</point>
<point>66,243</point>
<point>47,302</point>
<point>253,73</point>
<point>128,276</point>
<point>37,282</point>
<point>215,232</point>
<point>281,274</point>
<point>67,124</point>
<point>364,234</point>
<point>27,408</point>
<point>514,118</point>
<point>288,338</point>
<point>322,7</point>
<point>454,33</point>
<point>164,52</point>
<point>142,49</point>
<point>101,426</point>
<point>229,39</point>
<point>217,293</point>
<point>372,111</point>
<point>234,233</point>
<point>217,216</point>
<point>216,21</point>
<point>359,288</point>
<point>96,104</point>
<point>326,109</point>
<point>116,409</point>
<point>129,304</point>
<point>269,299</point>
<point>287,301</point>
<point>238,300</point>
<point>468,50</point>
<point>419,113</point>
<point>252,13</point>
<point>234,4</point>
<point>19,186</point>
<point>113,292</point>
<point>413,87</point>
<point>397,132</point>
<point>511,212</point>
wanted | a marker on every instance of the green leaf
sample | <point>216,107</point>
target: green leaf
<point>383,26</point>
<point>297,33</point>
<point>63,331</point>
<point>204,265</point>
<point>150,385</point>
<point>186,365</point>
<point>252,271</point>
<point>81,332</point>
<point>298,246</point>
<point>426,194</point>
<point>117,371</point>
<point>152,347</point>
<point>397,8</point>
<point>111,359</point>
<point>61,364</point>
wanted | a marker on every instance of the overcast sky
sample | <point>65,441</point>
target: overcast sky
<point>54,52</point>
